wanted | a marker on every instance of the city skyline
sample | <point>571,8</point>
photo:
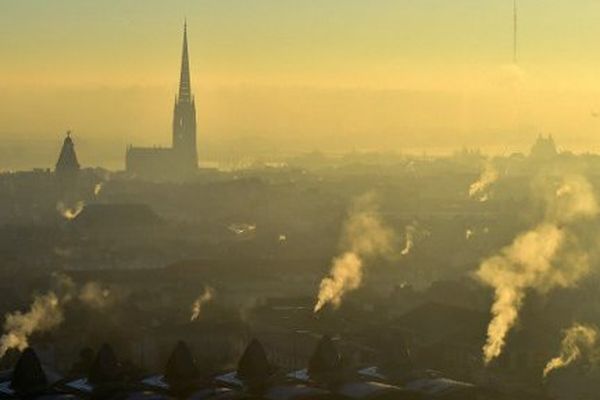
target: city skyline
<point>292,77</point>
<point>294,200</point>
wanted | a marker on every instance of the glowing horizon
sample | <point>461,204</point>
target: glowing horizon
<point>384,75</point>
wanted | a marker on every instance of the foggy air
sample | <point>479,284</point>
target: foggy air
<point>285,200</point>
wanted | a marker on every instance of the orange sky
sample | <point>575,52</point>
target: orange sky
<point>283,76</point>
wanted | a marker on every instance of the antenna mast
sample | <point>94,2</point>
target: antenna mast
<point>515,31</point>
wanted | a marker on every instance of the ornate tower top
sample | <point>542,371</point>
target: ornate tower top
<point>185,90</point>
<point>67,160</point>
<point>184,118</point>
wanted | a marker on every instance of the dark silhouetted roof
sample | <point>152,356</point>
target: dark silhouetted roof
<point>67,160</point>
<point>181,365</point>
<point>254,366</point>
<point>107,216</point>
<point>105,368</point>
<point>326,359</point>
<point>28,376</point>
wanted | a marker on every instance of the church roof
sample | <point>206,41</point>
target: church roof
<point>67,160</point>
<point>544,148</point>
<point>185,89</point>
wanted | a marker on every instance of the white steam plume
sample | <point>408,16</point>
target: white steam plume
<point>409,240</point>
<point>364,236</point>
<point>70,212</point>
<point>577,339</point>
<point>94,295</point>
<point>98,188</point>
<point>45,313</point>
<point>242,229</point>
<point>479,188</point>
<point>543,258</point>
<point>204,298</point>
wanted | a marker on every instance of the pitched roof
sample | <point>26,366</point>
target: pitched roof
<point>254,365</point>
<point>105,368</point>
<point>67,160</point>
<point>181,365</point>
<point>326,359</point>
<point>28,376</point>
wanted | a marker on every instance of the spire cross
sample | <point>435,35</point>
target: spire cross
<point>184,83</point>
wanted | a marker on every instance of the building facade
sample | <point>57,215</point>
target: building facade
<point>180,161</point>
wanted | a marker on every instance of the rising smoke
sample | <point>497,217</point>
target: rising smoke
<point>95,296</point>
<point>577,340</point>
<point>70,213</point>
<point>480,188</point>
<point>200,301</point>
<point>242,228</point>
<point>45,313</point>
<point>98,188</point>
<point>413,234</point>
<point>409,239</point>
<point>364,236</point>
<point>548,256</point>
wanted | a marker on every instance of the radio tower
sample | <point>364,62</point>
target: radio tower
<point>515,31</point>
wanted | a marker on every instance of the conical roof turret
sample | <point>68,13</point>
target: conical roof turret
<point>67,160</point>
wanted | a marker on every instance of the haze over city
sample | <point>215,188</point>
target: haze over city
<point>292,76</point>
<point>294,200</point>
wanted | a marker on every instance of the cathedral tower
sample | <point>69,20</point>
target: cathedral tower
<point>180,161</point>
<point>184,117</point>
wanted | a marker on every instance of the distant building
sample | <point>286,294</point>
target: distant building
<point>67,171</point>
<point>543,149</point>
<point>67,165</point>
<point>180,160</point>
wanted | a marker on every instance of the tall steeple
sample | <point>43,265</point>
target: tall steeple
<point>184,117</point>
<point>185,91</point>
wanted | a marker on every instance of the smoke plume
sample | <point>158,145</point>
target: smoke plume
<point>242,229</point>
<point>543,258</point>
<point>70,213</point>
<point>98,188</point>
<point>409,240</point>
<point>93,295</point>
<point>45,313</point>
<point>204,298</point>
<point>479,188</point>
<point>576,340</point>
<point>364,236</point>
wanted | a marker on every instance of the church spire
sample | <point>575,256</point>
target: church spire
<point>185,91</point>
<point>184,115</point>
